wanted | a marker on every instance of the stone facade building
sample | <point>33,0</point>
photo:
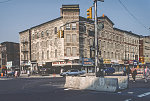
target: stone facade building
<point>117,45</point>
<point>41,47</point>
<point>145,49</point>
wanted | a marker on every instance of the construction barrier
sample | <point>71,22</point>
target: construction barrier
<point>92,83</point>
<point>122,81</point>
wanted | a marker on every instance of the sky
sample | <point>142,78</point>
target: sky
<point>19,15</point>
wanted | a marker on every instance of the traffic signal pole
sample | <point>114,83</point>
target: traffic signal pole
<point>96,42</point>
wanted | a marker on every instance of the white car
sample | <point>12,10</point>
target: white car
<point>72,72</point>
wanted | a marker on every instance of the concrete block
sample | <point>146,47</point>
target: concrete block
<point>92,83</point>
<point>122,81</point>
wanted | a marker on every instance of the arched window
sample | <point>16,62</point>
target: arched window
<point>42,34</point>
<point>55,53</point>
<point>47,32</point>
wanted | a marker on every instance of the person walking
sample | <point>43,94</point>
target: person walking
<point>16,72</point>
<point>124,71</point>
<point>28,72</point>
<point>146,73</point>
<point>134,73</point>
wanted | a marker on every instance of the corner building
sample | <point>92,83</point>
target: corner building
<point>40,45</point>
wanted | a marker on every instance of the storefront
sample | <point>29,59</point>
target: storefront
<point>61,66</point>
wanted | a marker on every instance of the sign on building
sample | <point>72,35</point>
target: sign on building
<point>87,62</point>
<point>9,64</point>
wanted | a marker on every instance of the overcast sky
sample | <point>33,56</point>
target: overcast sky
<point>19,15</point>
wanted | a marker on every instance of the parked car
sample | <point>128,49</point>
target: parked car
<point>109,70</point>
<point>72,72</point>
<point>43,72</point>
<point>10,74</point>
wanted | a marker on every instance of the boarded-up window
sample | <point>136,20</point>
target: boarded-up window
<point>68,51</point>
<point>74,38</point>
<point>68,38</point>
<point>74,51</point>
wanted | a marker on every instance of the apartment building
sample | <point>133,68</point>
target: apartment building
<point>117,45</point>
<point>42,46</point>
<point>9,53</point>
<point>144,51</point>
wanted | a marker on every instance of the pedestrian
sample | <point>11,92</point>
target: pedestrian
<point>16,74</point>
<point>128,70</point>
<point>124,71</point>
<point>146,73</point>
<point>28,72</point>
<point>134,73</point>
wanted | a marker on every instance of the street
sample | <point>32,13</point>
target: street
<point>52,89</point>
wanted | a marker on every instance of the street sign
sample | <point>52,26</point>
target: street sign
<point>87,62</point>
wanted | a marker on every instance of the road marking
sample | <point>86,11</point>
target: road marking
<point>130,92</point>
<point>128,100</point>
<point>66,89</point>
<point>145,94</point>
<point>119,92</point>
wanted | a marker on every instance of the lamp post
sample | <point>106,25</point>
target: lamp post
<point>96,42</point>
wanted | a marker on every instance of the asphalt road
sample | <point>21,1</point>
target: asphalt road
<point>52,89</point>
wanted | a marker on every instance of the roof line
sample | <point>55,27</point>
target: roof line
<point>126,32</point>
<point>41,24</point>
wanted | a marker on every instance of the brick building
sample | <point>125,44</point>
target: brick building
<point>9,52</point>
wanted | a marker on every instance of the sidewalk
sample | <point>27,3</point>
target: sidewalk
<point>5,78</point>
<point>39,76</point>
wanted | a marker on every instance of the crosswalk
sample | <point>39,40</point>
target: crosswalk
<point>6,78</point>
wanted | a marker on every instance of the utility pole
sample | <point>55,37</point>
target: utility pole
<point>96,42</point>
<point>96,54</point>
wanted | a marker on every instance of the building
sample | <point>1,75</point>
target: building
<point>10,56</point>
<point>117,46</point>
<point>144,49</point>
<point>64,43</point>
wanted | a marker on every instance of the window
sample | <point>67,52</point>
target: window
<point>42,55</point>
<point>55,53</point>
<point>68,38</point>
<point>42,34</point>
<point>73,26</point>
<point>112,55</point>
<point>33,36</point>
<point>104,55</point>
<point>55,30</point>
<point>91,42</point>
<point>68,51</point>
<point>48,54</point>
<point>68,27</point>
<point>82,28</point>
<point>74,51</point>
<point>51,54</point>
<point>47,32</point>
<point>37,35</point>
<point>85,53</point>
<point>117,38</point>
<point>74,38</point>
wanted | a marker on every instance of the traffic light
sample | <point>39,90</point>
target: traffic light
<point>58,34</point>
<point>62,34</point>
<point>89,13</point>
<point>141,59</point>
